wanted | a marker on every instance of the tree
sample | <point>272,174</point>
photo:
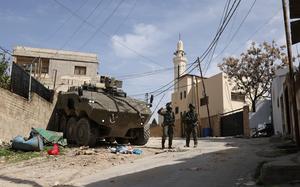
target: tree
<point>4,77</point>
<point>253,71</point>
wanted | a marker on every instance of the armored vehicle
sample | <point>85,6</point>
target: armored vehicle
<point>89,113</point>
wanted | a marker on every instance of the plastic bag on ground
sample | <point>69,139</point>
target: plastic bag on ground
<point>54,150</point>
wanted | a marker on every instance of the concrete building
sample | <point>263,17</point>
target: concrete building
<point>279,102</point>
<point>282,103</point>
<point>189,89</point>
<point>58,68</point>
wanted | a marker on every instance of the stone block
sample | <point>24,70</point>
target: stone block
<point>280,172</point>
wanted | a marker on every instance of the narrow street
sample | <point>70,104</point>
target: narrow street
<point>216,162</point>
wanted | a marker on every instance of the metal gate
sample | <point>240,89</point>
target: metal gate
<point>232,124</point>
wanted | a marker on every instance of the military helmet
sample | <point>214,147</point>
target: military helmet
<point>169,105</point>
<point>191,106</point>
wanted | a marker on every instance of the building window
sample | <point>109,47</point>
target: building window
<point>204,101</point>
<point>237,97</point>
<point>80,70</point>
<point>180,95</point>
<point>176,110</point>
<point>184,93</point>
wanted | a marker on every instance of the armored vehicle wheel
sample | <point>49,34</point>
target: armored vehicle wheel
<point>84,134</point>
<point>71,129</point>
<point>142,137</point>
<point>122,140</point>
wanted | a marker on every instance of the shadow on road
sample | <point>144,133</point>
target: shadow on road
<point>20,181</point>
<point>230,167</point>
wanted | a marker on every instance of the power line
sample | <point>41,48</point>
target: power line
<point>81,24</point>
<point>227,18</point>
<point>106,34</point>
<point>221,29</point>
<point>63,24</point>
<point>102,25</point>
<point>126,17</point>
<point>254,33</point>
<point>6,51</point>
<point>235,33</point>
<point>144,74</point>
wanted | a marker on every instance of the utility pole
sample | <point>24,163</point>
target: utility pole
<point>55,74</point>
<point>29,88</point>
<point>291,72</point>
<point>205,96</point>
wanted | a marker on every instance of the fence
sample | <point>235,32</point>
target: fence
<point>20,84</point>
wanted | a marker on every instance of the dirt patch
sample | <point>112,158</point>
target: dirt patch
<point>72,163</point>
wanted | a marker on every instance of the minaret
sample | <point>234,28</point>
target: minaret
<point>180,62</point>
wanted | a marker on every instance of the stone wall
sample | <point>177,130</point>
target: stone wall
<point>18,115</point>
<point>215,125</point>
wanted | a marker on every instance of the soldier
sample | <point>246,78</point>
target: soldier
<point>191,121</point>
<point>168,124</point>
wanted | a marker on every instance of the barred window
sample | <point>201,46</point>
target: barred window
<point>237,97</point>
<point>80,70</point>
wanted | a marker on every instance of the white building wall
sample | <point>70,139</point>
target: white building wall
<point>277,105</point>
<point>228,103</point>
<point>214,91</point>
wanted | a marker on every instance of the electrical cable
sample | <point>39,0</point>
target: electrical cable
<point>107,35</point>
<point>6,51</point>
<point>102,25</point>
<point>234,35</point>
<point>268,21</point>
<point>221,29</point>
<point>63,24</point>
<point>81,24</point>
<point>126,17</point>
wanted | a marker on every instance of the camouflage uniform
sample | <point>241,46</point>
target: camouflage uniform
<point>191,121</point>
<point>168,125</point>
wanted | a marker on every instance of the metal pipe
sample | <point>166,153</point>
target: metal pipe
<point>29,89</point>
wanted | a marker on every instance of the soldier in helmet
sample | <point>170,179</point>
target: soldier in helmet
<point>168,124</point>
<point>191,121</point>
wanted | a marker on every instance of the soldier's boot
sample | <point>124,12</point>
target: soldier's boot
<point>195,142</point>
<point>170,143</point>
<point>163,144</point>
<point>187,143</point>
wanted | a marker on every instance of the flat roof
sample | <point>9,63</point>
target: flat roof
<point>55,54</point>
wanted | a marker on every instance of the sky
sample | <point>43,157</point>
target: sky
<point>136,36</point>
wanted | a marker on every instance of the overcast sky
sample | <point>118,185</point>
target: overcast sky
<point>132,36</point>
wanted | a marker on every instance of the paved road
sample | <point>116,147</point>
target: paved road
<point>216,162</point>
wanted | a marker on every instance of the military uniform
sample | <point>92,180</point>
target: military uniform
<point>168,125</point>
<point>191,120</point>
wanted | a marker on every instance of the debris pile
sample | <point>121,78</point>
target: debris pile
<point>85,150</point>
<point>39,137</point>
<point>121,149</point>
